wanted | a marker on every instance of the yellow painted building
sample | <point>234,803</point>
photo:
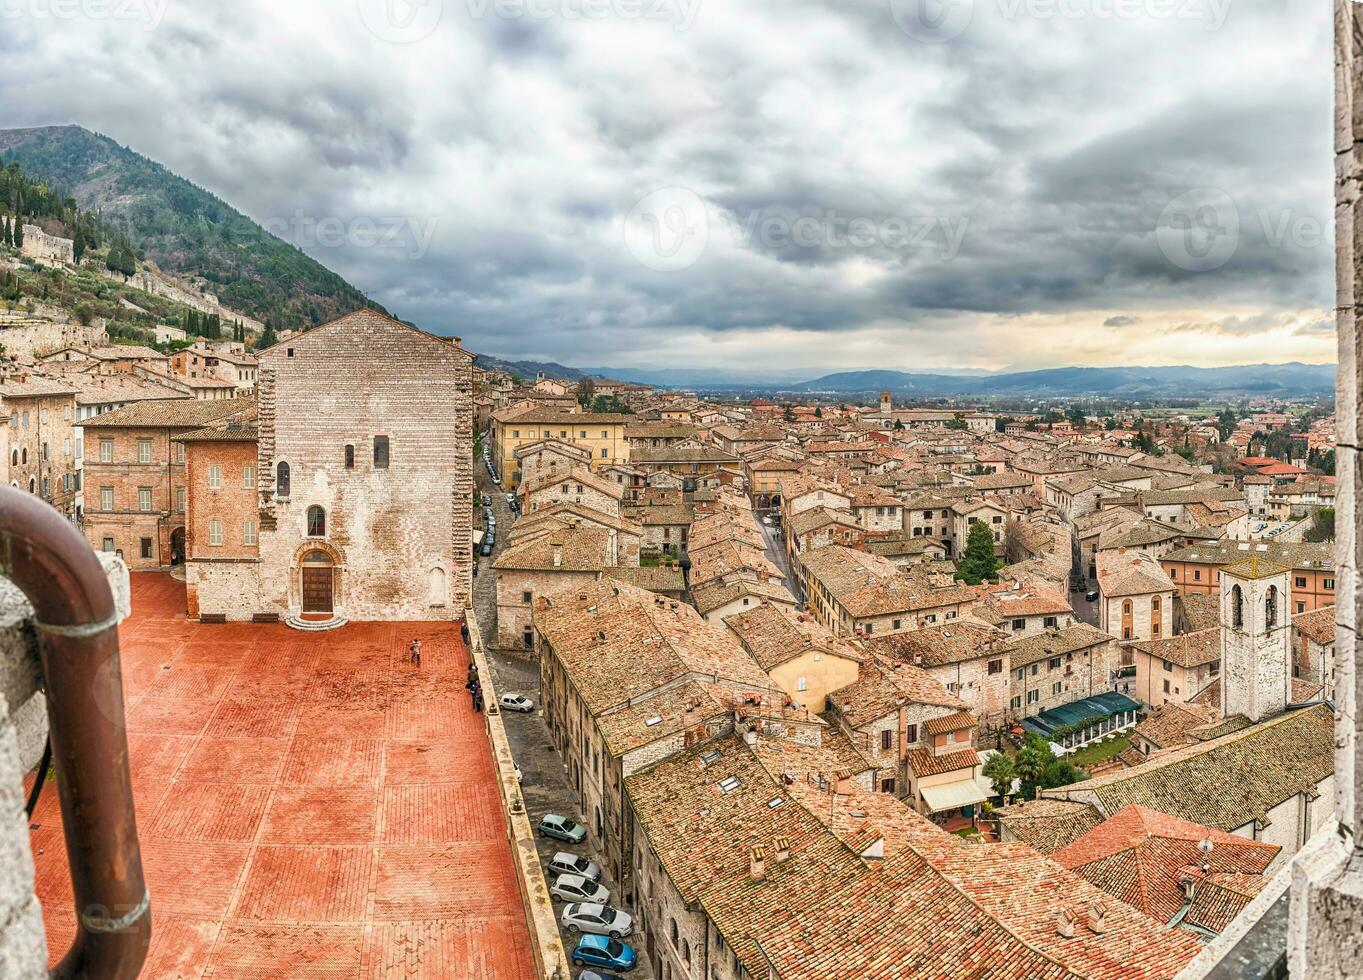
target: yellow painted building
<point>603,436</point>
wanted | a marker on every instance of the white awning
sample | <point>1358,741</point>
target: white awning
<point>477,537</point>
<point>953,796</point>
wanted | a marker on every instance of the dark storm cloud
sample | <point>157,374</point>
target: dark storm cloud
<point>1032,158</point>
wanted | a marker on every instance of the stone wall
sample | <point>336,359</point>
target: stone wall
<point>48,248</point>
<point>39,336</point>
<point>400,536</point>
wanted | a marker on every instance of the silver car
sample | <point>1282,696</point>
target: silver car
<point>516,702</point>
<point>564,863</point>
<point>600,920</point>
<point>575,888</point>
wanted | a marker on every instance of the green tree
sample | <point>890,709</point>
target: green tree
<point>999,770</point>
<point>1076,416</point>
<point>18,231</point>
<point>1039,768</point>
<point>978,561</point>
<point>586,392</point>
<point>958,423</point>
<point>1322,526</point>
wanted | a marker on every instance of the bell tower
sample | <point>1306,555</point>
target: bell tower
<point>1256,648</point>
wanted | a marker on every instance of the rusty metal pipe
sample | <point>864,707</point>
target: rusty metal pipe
<point>76,622</point>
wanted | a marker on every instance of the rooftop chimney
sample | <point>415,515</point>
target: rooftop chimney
<point>757,867</point>
<point>1098,918</point>
<point>1064,923</point>
<point>782,849</point>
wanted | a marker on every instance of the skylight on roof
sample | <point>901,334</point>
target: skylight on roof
<point>711,757</point>
<point>729,783</point>
<point>655,720</point>
<point>775,802</point>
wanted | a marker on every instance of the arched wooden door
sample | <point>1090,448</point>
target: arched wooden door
<point>319,577</point>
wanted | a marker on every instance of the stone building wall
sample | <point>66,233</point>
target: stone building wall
<point>401,536</point>
<point>40,336</point>
<point>226,574</point>
<point>39,245</point>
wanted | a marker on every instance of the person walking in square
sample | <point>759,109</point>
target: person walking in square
<point>416,652</point>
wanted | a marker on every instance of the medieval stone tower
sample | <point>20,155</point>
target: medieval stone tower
<point>1256,649</point>
<point>886,403</point>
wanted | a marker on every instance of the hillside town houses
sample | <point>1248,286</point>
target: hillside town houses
<point>783,651</point>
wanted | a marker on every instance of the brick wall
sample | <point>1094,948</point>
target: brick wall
<point>37,423</point>
<point>229,514</point>
<point>126,524</point>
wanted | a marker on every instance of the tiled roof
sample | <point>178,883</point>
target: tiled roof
<point>656,579</point>
<point>1317,625</point>
<point>579,549</point>
<point>1187,649</point>
<point>180,414</point>
<point>926,763</point>
<point>1140,855</point>
<point>1169,726</point>
<point>1131,574</point>
<point>1200,611</point>
<point>1302,556</point>
<point>950,723</point>
<point>1048,825</point>
<point>1054,643</point>
<point>941,644</point>
<point>1229,781</point>
<point>720,592</point>
<point>774,635</point>
<point>34,386</point>
<point>869,585</point>
<point>882,688</point>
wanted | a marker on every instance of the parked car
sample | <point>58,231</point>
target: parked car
<point>593,975</point>
<point>487,500</point>
<point>511,499</point>
<point>604,951</point>
<point>486,549</point>
<point>575,888</point>
<point>564,863</point>
<point>516,702</point>
<point>597,920</point>
<point>1091,596</point>
<point>562,828</point>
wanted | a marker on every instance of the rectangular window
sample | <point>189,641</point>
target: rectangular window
<point>1033,697</point>
<point>215,478</point>
<point>604,454</point>
<point>1016,702</point>
<point>526,597</point>
<point>180,454</point>
<point>1053,663</point>
<point>1049,622</point>
<point>1301,607</point>
<point>215,533</point>
<point>1301,582</point>
<point>180,499</point>
<point>381,452</point>
<point>108,545</point>
<point>144,499</point>
<point>1166,685</point>
<point>146,547</point>
<point>248,477</point>
<point>996,666</point>
<point>106,498</point>
<point>106,450</point>
<point>1055,688</point>
<point>1019,624</point>
<point>1197,575</point>
<point>248,533</point>
<point>911,734</point>
<point>1329,584</point>
<point>144,450</point>
<point>886,740</point>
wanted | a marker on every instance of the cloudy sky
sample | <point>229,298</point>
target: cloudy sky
<point>750,184</point>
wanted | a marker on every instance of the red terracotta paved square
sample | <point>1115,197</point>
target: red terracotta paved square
<point>322,761</point>
<point>306,884</point>
<point>235,760</point>
<point>322,815</point>
<point>309,805</point>
<point>247,951</point>
<point>210,811</point>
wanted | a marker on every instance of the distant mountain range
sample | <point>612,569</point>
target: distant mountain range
<point>1286,380</point>
<point>183,228</point>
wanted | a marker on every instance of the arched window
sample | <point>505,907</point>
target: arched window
<point>1154,604</point>
<point>14,458</point>
<point>350,457</point>
<point>32,485</point>
<point>674,933</point>
<point>437,586</point>
<point>1271,607</point>
<point>686,951</point>
<point>1126,608</point>
<point>317,522</point>
<point>282,481</point>
<point>24,455</point>
<point>1237,607</point>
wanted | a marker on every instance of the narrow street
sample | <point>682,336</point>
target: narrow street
<point>544,777</point>
<point>776,554</point>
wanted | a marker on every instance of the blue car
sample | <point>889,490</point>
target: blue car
<point>604,951</point>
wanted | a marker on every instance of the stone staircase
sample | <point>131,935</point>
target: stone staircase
<point>295,621</point>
